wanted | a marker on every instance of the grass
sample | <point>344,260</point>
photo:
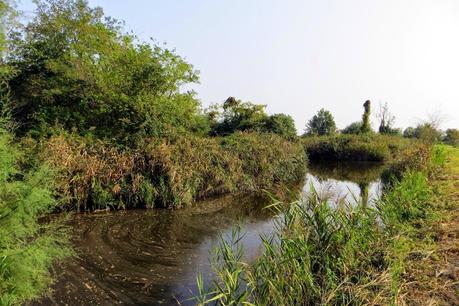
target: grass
<point>366,147</point>
<point>171,172</point>
<point>352,255</point>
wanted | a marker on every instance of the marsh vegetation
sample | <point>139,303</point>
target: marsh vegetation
<point>93,120</point>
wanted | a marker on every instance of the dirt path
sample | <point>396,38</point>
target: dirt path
<point>433,279</point>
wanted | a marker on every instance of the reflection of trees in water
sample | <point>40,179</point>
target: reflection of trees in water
<point>364,192</point>
<point>356,172</point>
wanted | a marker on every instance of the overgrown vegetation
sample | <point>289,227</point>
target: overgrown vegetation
<point>28,246</point>
<point>350,255</point>
<point>367,147</point>
<point>170,172</point>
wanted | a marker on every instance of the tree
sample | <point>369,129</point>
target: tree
<point>409,132</point>
<point>238,116</point>
<point>366,125</point>
<point>386,120</point>
<point>426,132</point>
<point>76,69</point>
<point>353,128</point>
<point>280,124</point>
<point>321,124</point>
<point>452,137</point>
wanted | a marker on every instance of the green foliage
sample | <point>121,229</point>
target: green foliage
<point>353,128</point>
<point>237,116</point>
<point>280,124</point>
<point>319,255</point>
<point>366,125</point>
<point>368,147</point>
<point>27,247</point>
<point>409,132</point>
<point>76,69</point>
<point>452,137</point>
<point>321,124</point>
<point>427,133</point>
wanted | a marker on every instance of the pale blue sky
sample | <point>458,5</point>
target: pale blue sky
<point>299,56</point>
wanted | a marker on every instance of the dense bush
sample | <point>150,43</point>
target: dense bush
<point>237,116</point>
<point>452,137</point>
<point>371,147</point>
<point>353,128</point>
<point>76,69</point>
<point>28,247</point>
<point>170,173</point>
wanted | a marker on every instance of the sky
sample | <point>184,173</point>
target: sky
<point>298,56</point>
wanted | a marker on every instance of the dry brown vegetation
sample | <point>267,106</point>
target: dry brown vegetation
<point>169,173</point>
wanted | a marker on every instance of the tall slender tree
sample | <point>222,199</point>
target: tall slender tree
<point>366,125</point>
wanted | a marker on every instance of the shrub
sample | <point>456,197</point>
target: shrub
<point>370,147</point>
<point>353,128</point>
<point>76,69</point>
<point>452,137</point>
<point>28,247</point>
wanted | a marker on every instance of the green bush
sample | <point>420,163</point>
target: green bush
<point>369,147</point>
<point>76,69</point>
<point>28,247</point>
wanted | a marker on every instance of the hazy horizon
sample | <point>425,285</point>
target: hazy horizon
<point>299,56</point>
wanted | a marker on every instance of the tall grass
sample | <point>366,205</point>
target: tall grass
<point>367,147</point>
<point>28,247</point>
<point>349,255</point>
<point>171,172</point>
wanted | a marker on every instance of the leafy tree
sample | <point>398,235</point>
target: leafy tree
<point>409,132</point>
<point>452,137</point>
<point>238,116</point>
<point>353,128</point>
<point>321,124</point>
<point>366,125</point>
<point>427,133</point>
<point>75,68</point>
<point>280,124</point>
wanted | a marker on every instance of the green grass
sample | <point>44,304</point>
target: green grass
<point>366,147</point>
<point>351,255</point>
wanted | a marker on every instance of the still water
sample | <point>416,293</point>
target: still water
<point>151,257</point>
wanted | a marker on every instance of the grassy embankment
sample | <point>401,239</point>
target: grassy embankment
<point>366,147</point>
<point>352,255</point>
<point>169,173</point>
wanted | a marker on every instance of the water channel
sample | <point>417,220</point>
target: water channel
<point>152,257</point>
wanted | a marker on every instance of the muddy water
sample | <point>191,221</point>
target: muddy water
<point>152,257</point>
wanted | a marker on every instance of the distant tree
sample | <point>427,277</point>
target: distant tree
<point>353,128</point>
<point>452,137</point>
<point>426,132</point>
<point>238,116</point>
<point>322,123</point>
<point>280,124</point>
<point>409,132</point>
<point>366,125</point>
<point>386,121</point>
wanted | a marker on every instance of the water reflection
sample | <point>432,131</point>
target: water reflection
<point>350,182</point>
<point>151,257</point>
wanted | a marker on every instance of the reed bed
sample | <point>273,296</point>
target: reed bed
<point>352,254</point>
